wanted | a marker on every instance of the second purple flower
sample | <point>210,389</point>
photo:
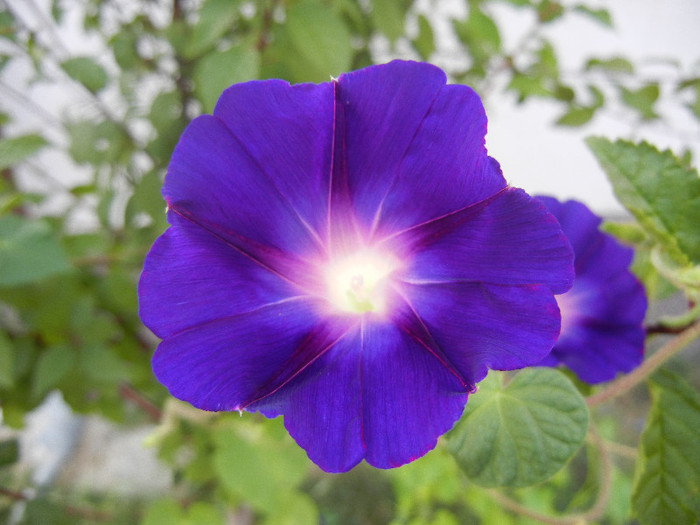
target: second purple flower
<point>348,256</point>
<point>602,333</point>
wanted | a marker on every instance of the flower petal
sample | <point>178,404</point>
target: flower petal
<point>376,394</point>
<point>602,314</point>
<point>206,279</point>
<point>482,326</point>
<point>228,363</point>
<point>384,107</point>
<point>215,182</point>
<point>598,255</point>
<point>619,299</point>
<point>288,131</point>
<point>323,408</point>
<point>410,397</point>
<point>507,239</point>
<point>446,167</point>
<point>596,351</point>
<point>602,332</point>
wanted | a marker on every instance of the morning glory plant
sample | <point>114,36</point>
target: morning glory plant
<point>347,255</point>
<point>340,254</point>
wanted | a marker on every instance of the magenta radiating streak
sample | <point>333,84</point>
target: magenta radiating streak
<point>344,235</point>
<point>267,257</point>
<point>395,175</point>
<point>314,235</point>
<point>420,234</point>
<point>360,371</point>
<point>427,341</point>
<point>312,348</point>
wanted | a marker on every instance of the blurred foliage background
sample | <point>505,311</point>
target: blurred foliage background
<point>80,205</point>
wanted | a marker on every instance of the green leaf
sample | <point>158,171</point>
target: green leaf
<point>599,15</point>
<point>598,97</point>
<point>52,366</point>
<point>527,86</point>
<point>162,512</point>
<point>215,18</point>
<point>124,50</point>
<point>564,93</point>
<point>548,11</point>
<point>97,143</point>
<point>614,64</point>
<point>685,277</point>
<point>9,452</point>
<point>8,27</point>
<point>480,33</point>
<point>642,100</point>
<point>147,199</point>
<point>655,285</point>
<point>102,364</point>
<point>320,39</point>
<point>626,232</point>
<point>177,35</point>
<point>425,41</point>
<point>257,465</point>
<point>520,433</point>
<point>166,108</point>
<point>693,84</point>
<point>576,117</point>
<point>667,474</point>
<point>203,513</point>
<point>28,251</point>
<point>218,70</point>
<point>86,71</point>
<point>57,10</point>
<point>388,17</point>
<point>18,148</point>
<point>166,116</point>
<point>435,476</point>
<point>294,508</point>
<point>662,193</point>
<point>547,64</point>
<point>7,362</point>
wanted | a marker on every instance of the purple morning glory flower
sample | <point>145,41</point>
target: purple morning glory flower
<point>347,255</point>
<point>602,314</point>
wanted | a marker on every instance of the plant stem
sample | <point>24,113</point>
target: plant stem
<point>628,382</point>
<point>266,24</point>
<point>129,393</point>
<point>676,324</point>
<point>13,494</point>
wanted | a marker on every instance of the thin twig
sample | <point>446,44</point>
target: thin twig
<point>129,393</point>
<point>266,24</point>
<point>676,324</point>
<point>28,103</point>
<point>516,507</point>
<point>13,494</point>
<point>48,28</point>
<point>621,450</point>
<point>71,510</point>
<point>628,382</point>
<point>184,67</point>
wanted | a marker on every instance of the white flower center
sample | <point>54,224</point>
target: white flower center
<point>567,303</point>
<point>358,283</point>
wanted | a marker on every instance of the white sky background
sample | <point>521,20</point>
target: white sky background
<point>552,160</point>
<point>534,155</point>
